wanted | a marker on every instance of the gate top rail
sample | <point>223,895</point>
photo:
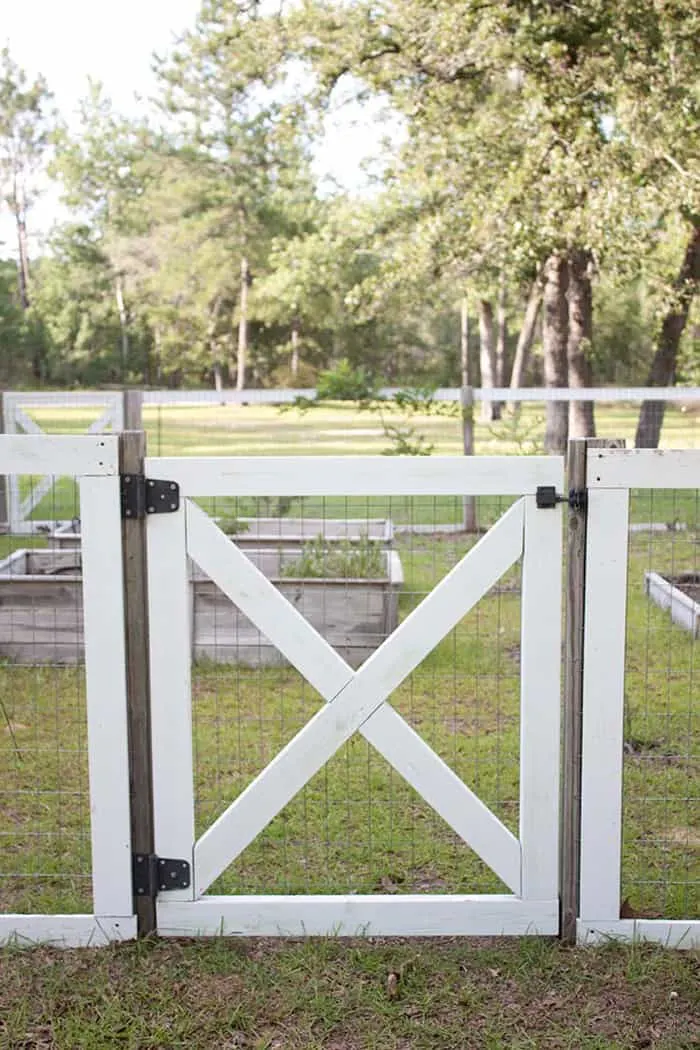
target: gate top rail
<point>619,468</point>
<point>59,454</point>
<point>359,475</point>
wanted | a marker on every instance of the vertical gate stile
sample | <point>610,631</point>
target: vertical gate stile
<point>132,449</point>
<point>540,699</point>
<point>603,702</point>
<point>105,660</point>
<point>170,633</point>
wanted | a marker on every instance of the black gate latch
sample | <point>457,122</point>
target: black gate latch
<point>547,497</point>
<point>152,874</point>
<point>142,496</point>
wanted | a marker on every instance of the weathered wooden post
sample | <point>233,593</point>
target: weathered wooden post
<point>132,450</point>
<point>132,404</point>
<point>572,713</point>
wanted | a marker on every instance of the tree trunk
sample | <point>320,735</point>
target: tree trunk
<point>19,210</point>
<point>467,402</point>
<point>501,334</point>
<point>527,335</point>
<point>294,364</point>
<point>123,324</point>
<point>487,357</point>
<point>663,367</point>
<point>241,359</point>
<point>581,414</point>
<point>554,341</point>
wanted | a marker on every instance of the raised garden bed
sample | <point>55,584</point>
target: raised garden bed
<point>41,612</point>
<point>272,532</point>
<point>679,594</point>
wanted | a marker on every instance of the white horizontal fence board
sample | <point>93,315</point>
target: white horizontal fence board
<point>385,669</point>
<point>671,933</point>
<point>415,915</point>
<point>603,701</point>
<point>321,665</point>
<point>66,931</point>
<point>59,454</point>
<point>540,692</point>
<point>170,649</point>
<point>644,468</point>
<point>105,671</point>
<point>358,475</point>
<point>505,394</point>
<point>63,398</point>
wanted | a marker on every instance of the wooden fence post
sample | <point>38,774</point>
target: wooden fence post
<point>132,450</point>
<point>4,516</point>
<point>132,402</point>
<point>572,713</point>
<point>467,404</point>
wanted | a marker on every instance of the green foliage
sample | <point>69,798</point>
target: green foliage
<point>347,559</point>
<point>345,383</point>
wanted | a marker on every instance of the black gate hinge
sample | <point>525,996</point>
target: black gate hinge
<point>547,497</point>
<point>151,874</point>
<point>141,496</point>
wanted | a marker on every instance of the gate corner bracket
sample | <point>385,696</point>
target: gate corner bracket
<point>142,496</point>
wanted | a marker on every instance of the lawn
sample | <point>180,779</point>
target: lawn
<point>359,995</point>
<point>357,827</point>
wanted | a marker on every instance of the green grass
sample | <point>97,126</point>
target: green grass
<point>357,827</point>
<point>358,995</point>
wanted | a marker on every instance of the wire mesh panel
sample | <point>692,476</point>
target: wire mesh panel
<point>359,694</point>
<point>355,568</point>
<point>661,787</point>
<point>45,862</point>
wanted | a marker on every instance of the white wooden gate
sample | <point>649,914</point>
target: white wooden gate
<point>611,474</point>
<point>358,701</point>
<point>17,421</point>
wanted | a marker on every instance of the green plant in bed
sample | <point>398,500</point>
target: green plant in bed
<point>320,559</point>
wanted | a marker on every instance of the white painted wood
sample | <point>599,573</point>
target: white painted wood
<point>504,394</point>
<point>262,603</point>
<point>684,610</point>
<point>385,669</point>
<point>25,422</point>
<point>358,475</point>
<point>540,698</point>
<point>320,664</point>
<point>170,623</point>
<point>638,468</point>
<point>66,931</point>
<point>64,398</point>
<point>443,790</point>
<point>59,454</point>
<point>603,701</point>
<point>102,422</point>
<point>105,670</point>
<point>36,495</point>
<point>415,915</point>
<point>671,933</point>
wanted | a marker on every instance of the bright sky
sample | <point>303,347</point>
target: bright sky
<point>71,40</point>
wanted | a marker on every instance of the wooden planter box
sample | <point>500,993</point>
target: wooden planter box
<point>41,610</point>
<point>680,594</point>
<point>274,532</point>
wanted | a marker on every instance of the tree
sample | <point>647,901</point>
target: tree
<point>25,127</point>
